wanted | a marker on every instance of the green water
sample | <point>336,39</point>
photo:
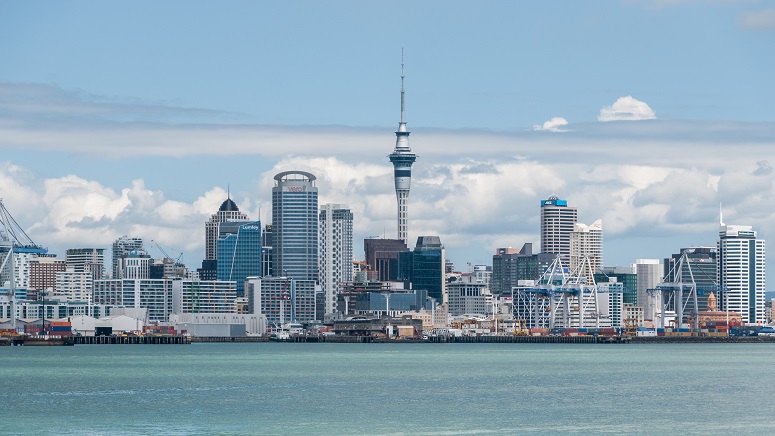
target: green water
<point>394,389</point>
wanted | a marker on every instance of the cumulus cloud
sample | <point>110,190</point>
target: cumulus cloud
<point>758,20</point>
<point>626,109</point>
<point>556,124</point>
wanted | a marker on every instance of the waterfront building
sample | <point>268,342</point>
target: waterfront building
<point>511,266</point>
<point>402,159</point>
<point>467,296</point>
<point>152,294</point>
<point>423,268</point>
<point>123,247</point>
<point>649,272</point>
<point>255,324</point>
<point>238,252</point>
<point>586,250</point>
<point>741,272</point>
<point>282,299</point>
<point>203,296</point>
<point>382,257</point>
<point>557,223</point>
<point>91,260</point>
<point>336,252</point>
<point>295,225</point>
<point>700,265</point>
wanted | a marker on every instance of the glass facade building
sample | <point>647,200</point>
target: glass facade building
<point>295,226</point>
<point>238,252</point>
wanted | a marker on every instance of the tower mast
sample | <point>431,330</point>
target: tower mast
<point>402,159</point>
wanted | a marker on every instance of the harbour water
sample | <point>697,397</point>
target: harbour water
<point>391,389</point>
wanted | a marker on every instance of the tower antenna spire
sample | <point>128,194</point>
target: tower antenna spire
<point>403,119</point>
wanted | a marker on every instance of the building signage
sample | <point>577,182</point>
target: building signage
<point>295,188</point>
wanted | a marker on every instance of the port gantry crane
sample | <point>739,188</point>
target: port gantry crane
<point>677,295</point>
<point>562,298</point>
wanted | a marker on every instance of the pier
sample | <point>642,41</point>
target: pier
<point>131,340</point>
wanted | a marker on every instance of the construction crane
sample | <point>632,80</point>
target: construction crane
<point>166,255</point>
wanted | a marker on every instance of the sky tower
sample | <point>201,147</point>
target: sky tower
<point>402,159</point>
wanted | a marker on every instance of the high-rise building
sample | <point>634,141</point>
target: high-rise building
<point>43,272</point>
<point>295,225</point>
<point>75,286</point>
<point>557,223</point>
<point>227,212</point>
<point>649,272</point>
<point>238,252</point>
<point>382,257</point>
<point>586,249</point>
<point>624,275</point>
<point>91,260</point>
<point>336,251</point>
<point>424,267</point>
<point>122,247</point>
<point>510,266</point>
<point>741,272</point>
<point>700,264</point>
<point>402,159</point>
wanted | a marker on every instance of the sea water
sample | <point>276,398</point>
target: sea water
<point>391,389</point>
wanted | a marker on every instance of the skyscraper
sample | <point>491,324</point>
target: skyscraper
<point>295,225</point>
<point>586,249</point>
<point>741,272</point>
<point>238,252</point>
<point>424,267</point>
<point>557,223</point>
<point>91,260</point>
<point>336,251</point>
<point>227,212</point>
<point>402,159</point>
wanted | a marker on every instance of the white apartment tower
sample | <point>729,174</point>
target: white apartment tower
<point>336,251</point>
<point>741,272</point>
<point>586,249</point>
<point>557,223</point>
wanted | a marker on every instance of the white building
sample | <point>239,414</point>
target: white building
<point>74,286</point>
<point>336,251</point>
<point>153,294</point>
<point>586,249</point>
<point>649,272</point>
<point>467,296</point>
<point>203,296</point>
<point>281,299</point>
<point>557,221</point>
<point>122,247</point>
<point>741,272</point>
<point>255,324</point>
<point>90,260</point>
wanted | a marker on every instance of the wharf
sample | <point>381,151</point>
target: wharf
<point>702,339</point>
<point>34,341</point>
<point>229,339</point>
<point>131,340</point>
<point>531,339</point>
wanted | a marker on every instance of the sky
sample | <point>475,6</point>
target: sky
<point>137,118</point>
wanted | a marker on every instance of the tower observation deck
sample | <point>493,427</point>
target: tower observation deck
<point>402,159</point>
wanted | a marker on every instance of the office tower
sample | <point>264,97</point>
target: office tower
<point>122,247</point>
<point>238,252</point>
<point>382,257</point>
<point>741,272</point>
<point>402,159</point>
<point>557,221</point>
<point>586,250</point>
<point>699,267</point>
<point>649,272</point>
<point>336,251</point>
<point>510,266</point>
<point>227,212</point>
<point>91,260</point>
<point>295,225</point>
<point>624,275</point>
<point>267,251</point>
<point>467,296</point>
<point>43,272</point>
<point>424,267</point>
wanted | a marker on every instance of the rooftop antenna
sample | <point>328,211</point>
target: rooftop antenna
<point>402,86</point>
<point>228,191</point>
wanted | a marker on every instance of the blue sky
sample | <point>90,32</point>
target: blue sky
<point>132,118</point>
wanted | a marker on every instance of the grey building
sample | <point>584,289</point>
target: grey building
<point>295,225</point>
<point>509,266</point>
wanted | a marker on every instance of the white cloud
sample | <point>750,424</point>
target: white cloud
<point>626,109</point>
<point>758,20</point>
<point>556,124</point>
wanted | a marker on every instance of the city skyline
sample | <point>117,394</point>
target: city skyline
<point>647,133</point>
